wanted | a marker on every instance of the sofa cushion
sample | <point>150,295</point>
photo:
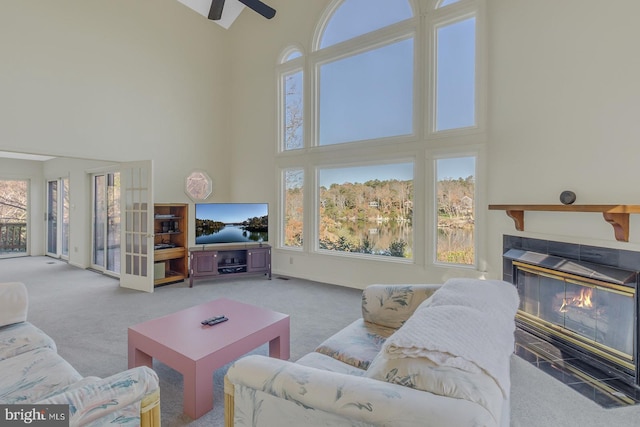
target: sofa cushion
<point>34,375</point>
<point>422,374</point>
<point>22,337</point>
<point>356,344</point>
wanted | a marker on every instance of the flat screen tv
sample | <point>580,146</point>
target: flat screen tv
<point>231,223</point>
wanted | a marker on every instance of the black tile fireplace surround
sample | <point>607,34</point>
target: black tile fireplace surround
<point>555,278</point>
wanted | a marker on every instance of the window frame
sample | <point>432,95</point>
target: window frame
<point>423,146</point>
<point>286,67</point>
<point>371,161</point>
<point>434,201</point>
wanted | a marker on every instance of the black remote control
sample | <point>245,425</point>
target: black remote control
<point>212,319</point>
<point>220,320</point>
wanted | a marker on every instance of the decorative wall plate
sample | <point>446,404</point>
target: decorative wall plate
<point>198,185</point>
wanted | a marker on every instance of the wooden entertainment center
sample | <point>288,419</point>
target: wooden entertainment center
<point>170,232</point>
<point>216,261</point>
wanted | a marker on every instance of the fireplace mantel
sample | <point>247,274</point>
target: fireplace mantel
<point>616,215</point>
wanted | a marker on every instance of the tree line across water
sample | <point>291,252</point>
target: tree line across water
<point>385,202</point>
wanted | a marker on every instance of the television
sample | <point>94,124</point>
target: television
<point>231,223</point>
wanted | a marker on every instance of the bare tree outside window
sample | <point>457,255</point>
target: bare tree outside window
<point>293,110</point>
<point>293,207</point>
<point>13,216</point>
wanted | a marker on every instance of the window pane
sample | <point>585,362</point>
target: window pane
<point>293,55</point>
<point>13,217</point>
<point>456,75</point>
<point>293,207</point>
<point>52,217</point>
<point>293,131</point>
<point>367,209</point>
<point>369,95</point>
<point>356,17</point>
<point>65,216</point>
<point>456,210</point>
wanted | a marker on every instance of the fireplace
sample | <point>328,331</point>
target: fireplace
<point>587,310</point>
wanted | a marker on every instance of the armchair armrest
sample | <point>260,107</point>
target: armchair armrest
<point>121,396</point>
<point>392,305</point>
<point>14,303</point>
<point>263,386</point>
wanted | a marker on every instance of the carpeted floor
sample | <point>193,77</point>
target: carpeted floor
<point>87,314</point>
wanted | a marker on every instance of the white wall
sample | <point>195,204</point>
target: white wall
<point>564,115</point>
<point>30,170</point>
<point>117,80</point>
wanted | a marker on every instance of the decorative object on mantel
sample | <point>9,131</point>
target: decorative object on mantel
<point>616,215</point>
<point>567,197</point>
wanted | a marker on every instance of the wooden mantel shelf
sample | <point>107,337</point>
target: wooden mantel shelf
<point>616,215</point>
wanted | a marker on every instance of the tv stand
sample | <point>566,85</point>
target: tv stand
<point>217,261</point>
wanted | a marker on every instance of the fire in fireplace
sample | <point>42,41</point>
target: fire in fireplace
<point>588,310</point>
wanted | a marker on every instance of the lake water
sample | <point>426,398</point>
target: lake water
<point>232,234</point>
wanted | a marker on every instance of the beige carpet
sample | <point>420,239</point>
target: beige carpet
<point>87,314</point>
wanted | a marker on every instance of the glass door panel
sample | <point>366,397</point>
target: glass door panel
<point>52,218</point>
<point>99,220</point>
<point>106,222</point>
<point>64,229</point>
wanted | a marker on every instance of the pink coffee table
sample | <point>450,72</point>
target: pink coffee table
<point>179,340</point>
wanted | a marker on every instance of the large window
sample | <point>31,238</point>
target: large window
<point>384,81</point>
<point>367,209</point>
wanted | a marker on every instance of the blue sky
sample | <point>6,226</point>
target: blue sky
<point>360,174</point>
<point>454,168</point>
<point>370,95</point>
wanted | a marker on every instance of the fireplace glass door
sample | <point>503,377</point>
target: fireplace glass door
<point>594,315</point>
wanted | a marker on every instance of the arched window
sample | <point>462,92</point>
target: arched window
<point>382,116</point>
<point>366,89</point>
<point>354,18</point>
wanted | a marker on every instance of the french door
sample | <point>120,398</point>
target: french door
<point>137,231</point>
<point>106,223</point>
<point>57,215</point>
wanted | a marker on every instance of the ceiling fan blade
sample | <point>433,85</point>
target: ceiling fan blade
<point>215,12</point>
<point>264,10</point>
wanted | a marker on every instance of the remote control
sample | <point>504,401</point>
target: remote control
<point>216,321</point>
<point>206,321</point>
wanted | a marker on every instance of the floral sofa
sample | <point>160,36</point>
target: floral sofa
<point>32,372</point>
<point>427,355</point>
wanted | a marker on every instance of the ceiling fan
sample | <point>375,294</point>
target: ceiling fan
<point>215,12</point>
